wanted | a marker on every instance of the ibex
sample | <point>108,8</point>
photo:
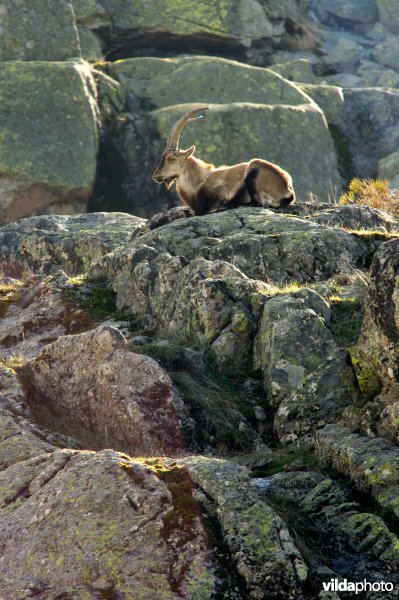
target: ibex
<point>205,188</point>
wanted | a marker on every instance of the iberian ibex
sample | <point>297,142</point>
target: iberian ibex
<point>205,188</point>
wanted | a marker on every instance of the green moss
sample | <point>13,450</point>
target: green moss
<point>282,460</point>
<point>97,298</point>
<point>366,375</point>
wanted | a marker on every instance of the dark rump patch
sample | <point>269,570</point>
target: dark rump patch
<point>205,201</point>
<point>250,182</point>
<point>238,199</point>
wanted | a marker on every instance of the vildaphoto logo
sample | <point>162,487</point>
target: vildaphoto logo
<point>343,585</point>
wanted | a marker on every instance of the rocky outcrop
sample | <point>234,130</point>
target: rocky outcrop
<point>241,246</point>
<point>264,552</point>
<point>357,541</point>
<point>377,348</point>
<point>304,369</point>
<point>244,361</point>
<point>234,334</point>
<point>372,464</point>
<point>49,243</point>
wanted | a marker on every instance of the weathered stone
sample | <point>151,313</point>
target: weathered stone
<point>326,509</point>
<point>380,331</point>
<point>305,373</point>
<point>38,313</point>
<point>228,24</point>
<point>330,98</point>
<point>388,14</point>
<point>187,275</point>
<point>160,82</point>
<point>48,138</point>
<point>299,70</point>
<point>344,11</point>
<point>345,56</point>
<point>49,243</point>
<point>90,14</point>
<point>87,524</point>
<point>372,128</point>
<point>37,30</point>
<point>90,45</point>
<point>17,440</point>
<point>372,464</point>
<point>233,347</point>
<point>92,382</point>
<point>261,546</point>
<point>357,217</point>
<point>387,53</point>
<point>379,342</point>
<point>373,74</point>
<point>388,168</point>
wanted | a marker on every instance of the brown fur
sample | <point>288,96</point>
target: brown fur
<point>205,188</point>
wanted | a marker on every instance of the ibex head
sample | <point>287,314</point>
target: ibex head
<point>172,161</point>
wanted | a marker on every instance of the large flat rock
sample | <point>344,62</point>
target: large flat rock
<point>37,30</point>
<point>48,138</point>
<point>48,243</point>
<point>204,79</point>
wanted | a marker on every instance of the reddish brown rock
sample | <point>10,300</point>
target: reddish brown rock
<point>36,313</point>
<point>97,525</point>
<point>91,385</point>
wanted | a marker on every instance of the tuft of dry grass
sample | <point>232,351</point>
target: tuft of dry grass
<point>374,193</point>
<point>13,362</point>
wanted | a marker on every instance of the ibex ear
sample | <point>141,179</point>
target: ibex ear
<point>189,152</point>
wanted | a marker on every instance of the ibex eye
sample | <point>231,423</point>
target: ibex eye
<point>170,158</point>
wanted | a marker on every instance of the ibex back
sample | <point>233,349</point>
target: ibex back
<point>206,188</point>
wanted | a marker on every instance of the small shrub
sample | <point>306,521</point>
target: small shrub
<point>374,193</point>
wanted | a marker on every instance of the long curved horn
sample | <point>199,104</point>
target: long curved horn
<point>174,135</point>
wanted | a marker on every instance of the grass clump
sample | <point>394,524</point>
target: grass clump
<point>214,400</point>
<point>348,315</point>
<point>13,362</point>
<point>374,193</point>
